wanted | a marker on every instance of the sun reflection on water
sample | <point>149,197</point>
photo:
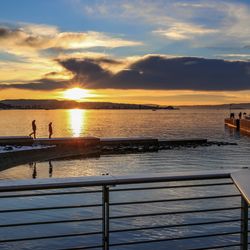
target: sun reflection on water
<point>77,121</point>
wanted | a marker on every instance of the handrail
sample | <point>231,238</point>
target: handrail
<point>22,185</point>
<point>241,180</point>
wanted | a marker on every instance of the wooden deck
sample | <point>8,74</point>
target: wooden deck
<point>233,123</point>
<point>243,125</point>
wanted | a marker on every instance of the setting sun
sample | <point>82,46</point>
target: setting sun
<point>75,94</point>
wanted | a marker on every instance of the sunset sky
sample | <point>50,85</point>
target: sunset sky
<point>165,52</point>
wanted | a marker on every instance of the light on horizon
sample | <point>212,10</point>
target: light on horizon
<point>76,94</point>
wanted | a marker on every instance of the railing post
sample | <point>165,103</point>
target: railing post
<point>244,224</point>
<point>105,217</point>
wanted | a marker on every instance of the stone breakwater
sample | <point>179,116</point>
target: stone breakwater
<point>121,149</point>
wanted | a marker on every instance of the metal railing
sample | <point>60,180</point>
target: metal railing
<point>193,210</point>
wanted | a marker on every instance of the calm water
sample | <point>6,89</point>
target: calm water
<point>185,123</point>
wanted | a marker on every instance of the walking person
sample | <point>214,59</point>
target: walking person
<point>33,124</point>
<point>50,130</point>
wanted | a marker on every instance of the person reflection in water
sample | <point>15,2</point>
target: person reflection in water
<point>50,130</point>
<point>33,124</point>
<point>34,174</point>
<point>50,169</point>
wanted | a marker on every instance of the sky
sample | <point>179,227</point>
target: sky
<point>166,52</point>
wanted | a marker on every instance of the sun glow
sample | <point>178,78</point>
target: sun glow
<point>76,94</point>
<point>76,118</point>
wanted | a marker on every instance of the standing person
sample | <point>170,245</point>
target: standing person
<point>50,130</point>
<point>33,124</point>
<point>240,115</point>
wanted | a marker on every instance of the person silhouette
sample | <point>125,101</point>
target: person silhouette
<point>33,124</point>
<point>50,130</point>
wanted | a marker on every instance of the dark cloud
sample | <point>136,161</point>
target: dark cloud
<point>19,37</point>
<point>105,60</point>
<point>151,72</point>
<point>3,32</point>
<point>158,72</point>
<point>6,32</point>
<point>43,84</point>
<point>53,73</point>
<point>87,71</point>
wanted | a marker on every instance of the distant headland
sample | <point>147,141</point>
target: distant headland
<point>63,104</point>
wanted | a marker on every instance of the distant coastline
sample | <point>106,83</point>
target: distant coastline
<point>60,104</point>
<point>66,104</point>
<point>231,106</point>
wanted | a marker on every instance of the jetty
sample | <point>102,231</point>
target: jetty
<point>95,141</point>
<point>17,150</point>
<point>242,125</point>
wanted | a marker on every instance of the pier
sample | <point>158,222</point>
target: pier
<point>242,125</point>
<point>19,150</point>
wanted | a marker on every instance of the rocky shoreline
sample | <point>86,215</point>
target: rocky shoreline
<point>121,149</point>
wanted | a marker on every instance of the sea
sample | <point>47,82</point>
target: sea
<point>163,124</point>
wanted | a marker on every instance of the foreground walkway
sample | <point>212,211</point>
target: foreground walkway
<point>189,210</point>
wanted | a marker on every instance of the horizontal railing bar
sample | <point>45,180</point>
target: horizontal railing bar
<point>79,248</point>
<point>48,208</point>
<point>22,185</point>
<point>172,186</point>
<point>172,213</point>
<point>175,225</point>
<point>174,238</point>
<point>48,194</point>
<point>49,222</point>
<point>215,247</point>
<point>115,190</point>
<point>49,237</point>
<point>177,199</point>
<point>116,231</point>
